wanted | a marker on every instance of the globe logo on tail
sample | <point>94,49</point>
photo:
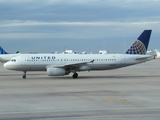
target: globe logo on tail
<point>137,48</point>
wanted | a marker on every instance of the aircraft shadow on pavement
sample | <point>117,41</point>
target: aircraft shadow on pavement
<point>81,77</point>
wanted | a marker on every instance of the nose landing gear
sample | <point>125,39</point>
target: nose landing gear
<point>24,75</point>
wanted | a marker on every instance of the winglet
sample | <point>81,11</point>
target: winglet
<point>140,46</point>
<point>92,61</point>
<point>2,51</point>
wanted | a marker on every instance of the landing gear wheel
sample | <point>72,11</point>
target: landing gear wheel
<point>24,76</point>
<point>75,75</point>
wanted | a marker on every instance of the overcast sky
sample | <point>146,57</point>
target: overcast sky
<point>80,25</point>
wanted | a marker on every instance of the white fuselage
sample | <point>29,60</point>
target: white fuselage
<point>40,62</point>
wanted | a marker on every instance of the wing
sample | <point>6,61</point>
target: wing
<point>70,66</point>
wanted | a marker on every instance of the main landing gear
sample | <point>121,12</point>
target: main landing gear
<point>24,75</point>
<point>75,75</point>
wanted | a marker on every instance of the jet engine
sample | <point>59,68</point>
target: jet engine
<point>56,71</point>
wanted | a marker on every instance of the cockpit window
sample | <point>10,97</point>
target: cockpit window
<point>13,60</point>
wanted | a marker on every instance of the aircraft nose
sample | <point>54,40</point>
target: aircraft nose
<point>7,65</point>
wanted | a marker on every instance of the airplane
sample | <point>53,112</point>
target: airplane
<point>4,56</point>
<point>63,64</point>
<point>157,53</point>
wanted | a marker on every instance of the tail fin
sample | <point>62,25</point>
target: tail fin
<point>140,46</point>
<point>2,51</point>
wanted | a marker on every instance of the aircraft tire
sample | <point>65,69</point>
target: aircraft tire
<point>24,76</point>
<point>75,75</point>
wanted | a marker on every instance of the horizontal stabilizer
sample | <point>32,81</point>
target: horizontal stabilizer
<point>145,57</point>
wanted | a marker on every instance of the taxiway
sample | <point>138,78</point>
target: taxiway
<point>129,93</point>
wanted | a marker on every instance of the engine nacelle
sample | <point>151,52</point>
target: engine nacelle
<point>56,71</point>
